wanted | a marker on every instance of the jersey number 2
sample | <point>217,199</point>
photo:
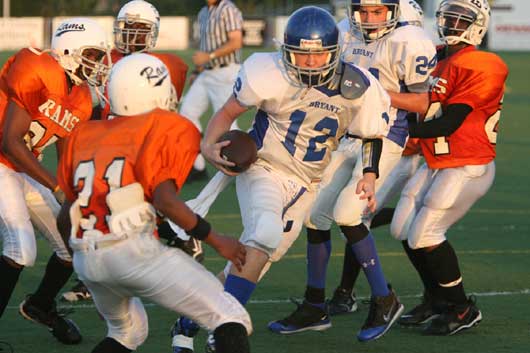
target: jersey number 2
<point>313,154</point>
<point>86,172</point>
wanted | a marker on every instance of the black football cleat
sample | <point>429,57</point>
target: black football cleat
<point>454,320</point>
<point>63,329</point>
<point>384,311</point>
<point>306,317</point>
<point>422,313</point>
<point>342,302</point>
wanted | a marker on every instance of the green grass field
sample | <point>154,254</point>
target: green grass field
<point>492,241</point>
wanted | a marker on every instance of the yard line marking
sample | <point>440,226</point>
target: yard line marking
<point>514,211</point>
<point>381,254</point>
<point>402,254</point>
<point>281,301</point>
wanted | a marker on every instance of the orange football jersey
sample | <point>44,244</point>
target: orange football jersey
<point>177,71</point>
<point>475,78</point>
<point>103,155</point>
<point>38,84</point>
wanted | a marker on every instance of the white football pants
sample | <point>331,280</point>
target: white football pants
<point>26,203</point>
<point>273,209</point>
<point>140,266</point>
<point>434,199</point>
<point>335,177</point>
<point>394,183</point>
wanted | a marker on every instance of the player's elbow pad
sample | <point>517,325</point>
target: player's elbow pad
<point>372,149</point>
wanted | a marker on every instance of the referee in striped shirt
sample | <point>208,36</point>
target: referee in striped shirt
<point>217,63</point>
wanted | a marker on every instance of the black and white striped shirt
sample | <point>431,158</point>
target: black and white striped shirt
<point>215,23</point>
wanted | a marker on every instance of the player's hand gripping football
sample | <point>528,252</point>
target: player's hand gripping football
<point>228,247</point>
<point>366,188</point>
<point>212,152</point>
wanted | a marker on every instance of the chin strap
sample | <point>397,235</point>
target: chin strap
<point>75,79</point>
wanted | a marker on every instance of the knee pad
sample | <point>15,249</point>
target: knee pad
<point>319,219</point>
<point>403,217</point>
<point>348,212</point>
<point>231,337</point>
<point>355,234</point>
<point>267,232</point>
<point>135,327</point>
<point>286,241</point>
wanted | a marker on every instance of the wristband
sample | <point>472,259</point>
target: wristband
<point>201,229</point>
<point>212,55</point>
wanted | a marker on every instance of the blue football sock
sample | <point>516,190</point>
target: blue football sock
<point>240,288</point>
<point>366,254</point>
<point>317,263</point>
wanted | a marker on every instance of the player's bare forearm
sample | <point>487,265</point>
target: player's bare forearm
<point>16,126</point>
<point>165,200</point>
<point>17,152</point>
<point>222,120</point>
<point>63,223</point>
<point>219,124</point>
<point>411,102</point>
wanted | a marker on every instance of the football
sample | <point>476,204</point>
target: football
<point>242,150</point>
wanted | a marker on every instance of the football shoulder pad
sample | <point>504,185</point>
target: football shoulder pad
<point>353,82</point>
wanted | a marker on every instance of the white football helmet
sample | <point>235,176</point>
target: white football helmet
<point>137,84</point>
<point>80,47</point>
<point>410,13</point>
<point>136,27</point>
<point>463,21</point>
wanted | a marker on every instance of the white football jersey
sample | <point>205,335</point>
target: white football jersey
<point>296,128</point>
<point>402,61</point>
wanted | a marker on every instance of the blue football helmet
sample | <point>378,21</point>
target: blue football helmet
<point>311,29</point>
<point>370,32</point>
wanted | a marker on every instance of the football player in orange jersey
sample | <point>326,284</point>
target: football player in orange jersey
<point>43,96</point>
<point>117,174</point>
<point>136,30</point>
<point>457,138</point>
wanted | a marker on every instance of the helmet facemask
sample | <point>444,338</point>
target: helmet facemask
<point>86,63</point>
<point>311,76</point>
<point>370,32</point>
<point>92,65</point>
<point>460,23</point>
<point>134,35</point>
